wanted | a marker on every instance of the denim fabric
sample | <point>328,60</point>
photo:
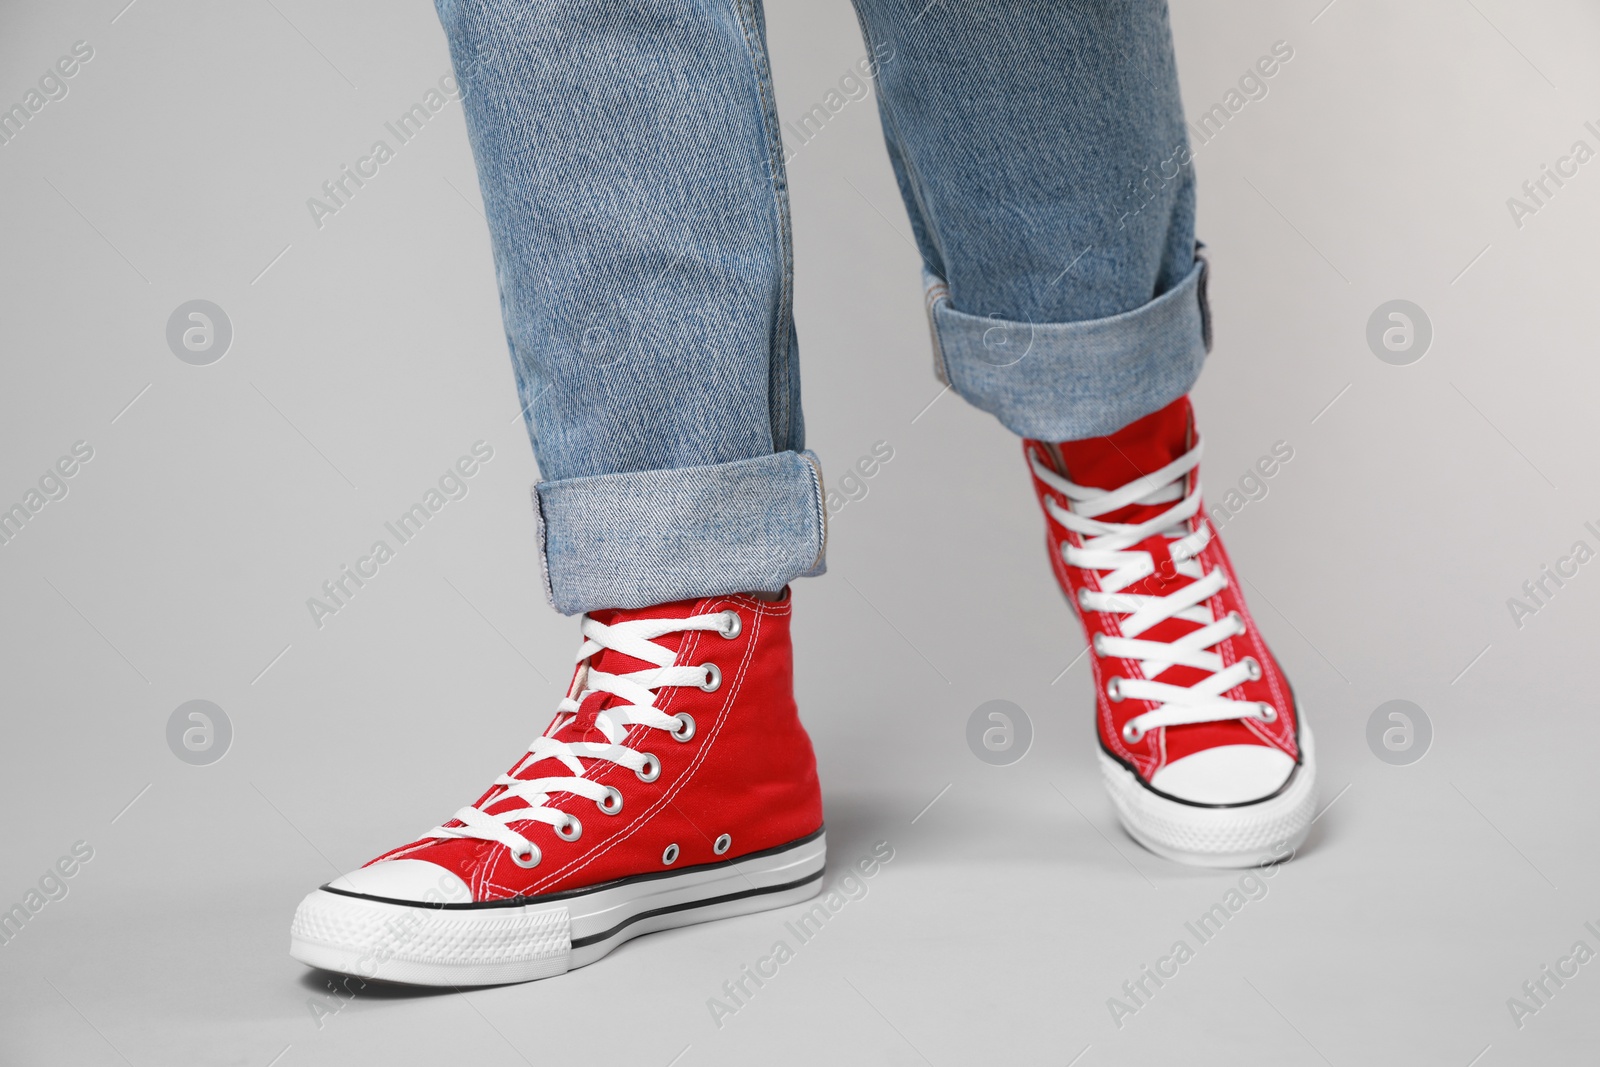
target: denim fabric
<point>750,524</point>
<point>632,173</point>
<point>1070,380</point>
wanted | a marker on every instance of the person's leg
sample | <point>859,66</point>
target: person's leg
<point>641,239</point>
<point>1042,154</point>
<point>631,172</point>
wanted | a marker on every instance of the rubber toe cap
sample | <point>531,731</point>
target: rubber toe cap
<point>1227,774</point>
<point>406,879</point>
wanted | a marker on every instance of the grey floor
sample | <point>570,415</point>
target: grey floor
<point>367,355</point>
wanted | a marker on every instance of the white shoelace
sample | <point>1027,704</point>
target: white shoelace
<point>1106,551</point>
<point>637,689</point>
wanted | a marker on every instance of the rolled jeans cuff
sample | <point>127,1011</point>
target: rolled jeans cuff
<point>1071,380</point>
<point>647,537</point>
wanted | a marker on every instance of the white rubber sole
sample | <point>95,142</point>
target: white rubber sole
<point>1239,835</point>
<point>467,945</point>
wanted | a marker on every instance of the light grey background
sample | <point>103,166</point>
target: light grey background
<point>368,355</point>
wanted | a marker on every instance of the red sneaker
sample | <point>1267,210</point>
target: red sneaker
<point>674,785</point>
<point>1202,747</point>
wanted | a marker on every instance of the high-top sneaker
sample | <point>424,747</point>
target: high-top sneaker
<point>674,785</point>
<point>1202,746</point>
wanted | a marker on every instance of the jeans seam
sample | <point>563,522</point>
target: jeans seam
<point>819,504</point>
<point>544,548</point>
<point>744,11</point>
<point>933,296</point>
<point>913,179</point>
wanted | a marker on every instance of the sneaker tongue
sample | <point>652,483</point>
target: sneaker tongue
<point>1140,448</point>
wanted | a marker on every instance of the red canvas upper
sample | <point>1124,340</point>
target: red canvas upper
<point>748,771</point>
<point>1138,449</point>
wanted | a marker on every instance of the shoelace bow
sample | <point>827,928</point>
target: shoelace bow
<point>1108,550</point>
<point>636,690</point>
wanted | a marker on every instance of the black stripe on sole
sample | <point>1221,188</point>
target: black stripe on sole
<point>567,894</point>
<point>581,942</point>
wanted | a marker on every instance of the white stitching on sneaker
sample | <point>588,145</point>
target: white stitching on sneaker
<point>631,638</point>
<point>1105,550</point>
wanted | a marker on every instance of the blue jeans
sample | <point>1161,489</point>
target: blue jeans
<point>632,173</point>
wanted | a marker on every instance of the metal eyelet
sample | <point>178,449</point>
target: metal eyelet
<point>685,728</point>
<point>1114,689</point>
<point>722,844</point>
<point>651,769</point>
<point>611,803</point>
<point>1266,712</point>
<point>1083,598</point>
<point>713,680</point>
<point>670,856</point>
<point>530,858</point>
<point>1095,643</point>
<point>570,830</point>
<point>1238,622</point>
<point>732,625</point>
<point>1254,667</point>
<point>1132,734</point>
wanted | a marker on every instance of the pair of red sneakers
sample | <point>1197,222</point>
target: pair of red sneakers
<point>676,784</point>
